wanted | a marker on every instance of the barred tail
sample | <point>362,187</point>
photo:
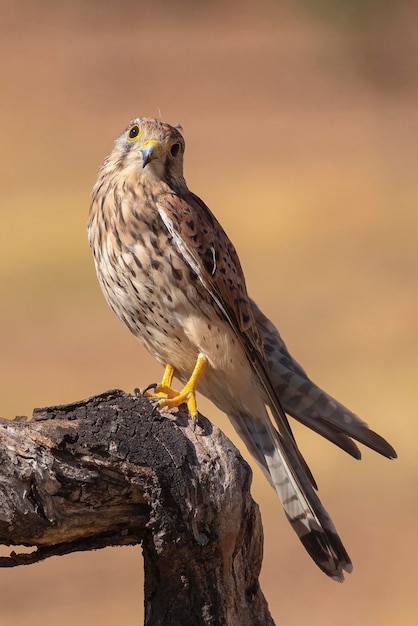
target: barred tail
<point>306,402</point>
<point>302,506</point>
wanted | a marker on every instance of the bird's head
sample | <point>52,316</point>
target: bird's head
<point>152,149</point>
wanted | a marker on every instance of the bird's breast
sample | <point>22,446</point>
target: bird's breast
<point>162,300</point>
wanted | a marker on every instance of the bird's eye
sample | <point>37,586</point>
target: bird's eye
<point>175,149</point>
<point>134,133</point>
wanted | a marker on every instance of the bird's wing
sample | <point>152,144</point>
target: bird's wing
<point>309,404</point>
<point>206,248</point>
<point>208,251</point>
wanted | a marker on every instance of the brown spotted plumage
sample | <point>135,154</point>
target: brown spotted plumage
<point>170,273</point>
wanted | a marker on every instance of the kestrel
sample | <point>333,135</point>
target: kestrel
<point>170,273</point>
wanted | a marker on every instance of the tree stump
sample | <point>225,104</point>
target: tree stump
<point>112,470</point>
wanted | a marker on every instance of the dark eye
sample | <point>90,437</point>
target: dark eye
<point>175,149</point>
<point>134,132</point>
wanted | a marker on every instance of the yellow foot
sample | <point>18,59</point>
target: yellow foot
<point>162,389</point>
<point>187,395</point>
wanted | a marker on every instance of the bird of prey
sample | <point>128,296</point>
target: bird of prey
<point>170,273</point>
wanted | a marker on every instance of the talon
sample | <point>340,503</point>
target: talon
<point>188,394</point>
<point>164,387</point>
<point>169,398</point>
<point>150,386</point>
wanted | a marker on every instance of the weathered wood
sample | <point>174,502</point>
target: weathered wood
<point>111,470</point>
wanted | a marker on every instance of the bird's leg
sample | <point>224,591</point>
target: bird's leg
<point>165,385</point>
<point>188,394</point>
<point>167,376</point>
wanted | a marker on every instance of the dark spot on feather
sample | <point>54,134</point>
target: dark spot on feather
<point>155,227</point>
<point>99,237</point>
<point>118,240</point>
<point>156,246</point>
<point>295,400</point>
<point>137,261</point>
<point>209,265</point>
<point>133,233</point>
<point>322,401</point>
<point>305,388</point>
<point>131,190</point>
<point>177,274</point>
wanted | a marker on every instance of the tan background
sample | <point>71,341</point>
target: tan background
<point>301,130</point>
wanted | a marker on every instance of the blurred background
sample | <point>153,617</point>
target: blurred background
<point>301,125</point>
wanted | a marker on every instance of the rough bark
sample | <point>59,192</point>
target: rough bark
<point>111,470</point>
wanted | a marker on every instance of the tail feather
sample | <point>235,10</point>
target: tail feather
<point>302,506</point>
<point>285,388</point>
<point>317,533</point>
<point>309,404</point>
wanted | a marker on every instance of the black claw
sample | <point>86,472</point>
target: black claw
<point>151,386</point>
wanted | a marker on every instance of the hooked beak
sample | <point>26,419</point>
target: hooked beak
<point>150,151</point>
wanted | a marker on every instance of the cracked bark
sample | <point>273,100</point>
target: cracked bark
<point>111,470</point>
